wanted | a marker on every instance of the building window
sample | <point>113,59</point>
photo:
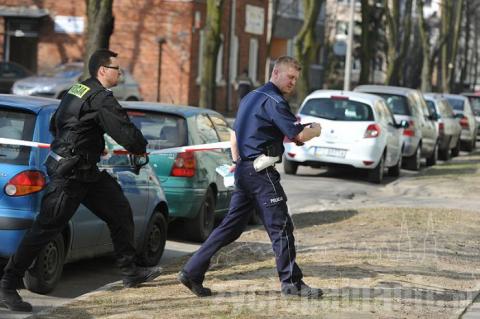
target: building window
<point>253,60</point>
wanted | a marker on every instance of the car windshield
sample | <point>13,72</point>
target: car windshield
<point>398,104</point>
<point>457,104</point>
<point>475,102</point>
<point>65,71</point>
<point>160,129</point>
<point>337,109</point>
<point>19,125</point>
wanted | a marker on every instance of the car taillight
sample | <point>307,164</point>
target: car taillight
<point>464,123</point>
<point>373,130</point>
<point>184,165</point>
<point>441,127</point>
<point>410,130</point>
<point>25,183</point>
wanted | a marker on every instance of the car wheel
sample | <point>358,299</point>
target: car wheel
<point>413,162</point>
<point>47,268</point>
<point>456,149</point>
<point>376,175</point>
<point>395,170</point>
<point>290,167</point>
<point>201,226</point>
<point>432,159</point>
<point>470,145</point>
<point>154,242</point>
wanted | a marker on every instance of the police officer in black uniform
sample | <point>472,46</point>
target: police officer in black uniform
<point>263,120</point>
<point>85,113</point>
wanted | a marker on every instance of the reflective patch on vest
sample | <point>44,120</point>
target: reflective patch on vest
<point>276,200</point>
<point>79,90</point>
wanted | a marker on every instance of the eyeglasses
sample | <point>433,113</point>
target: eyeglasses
<point>112,67</point>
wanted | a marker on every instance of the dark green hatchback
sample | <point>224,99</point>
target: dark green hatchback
<point>194,190</point>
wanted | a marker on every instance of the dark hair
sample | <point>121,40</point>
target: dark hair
<point>287,60</point>
<point>99,58</point>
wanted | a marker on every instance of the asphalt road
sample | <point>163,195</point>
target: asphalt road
<point>310,190</point>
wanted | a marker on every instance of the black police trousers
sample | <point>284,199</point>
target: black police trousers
<point>263,190</point>
<point>62,197</point>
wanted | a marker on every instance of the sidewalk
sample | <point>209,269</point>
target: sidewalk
<point>473,310</point>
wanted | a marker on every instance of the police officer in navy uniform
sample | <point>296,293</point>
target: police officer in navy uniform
<point>85,113</point>
<point>263,120</point>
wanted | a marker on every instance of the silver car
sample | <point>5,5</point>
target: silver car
<point>474,99</point>
<point>448,127</point>
<point>57,82</point>
<point>420,139</point>
<point>462,107</point>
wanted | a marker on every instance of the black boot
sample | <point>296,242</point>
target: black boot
<point>301,289</point>
<point>9,298</point>
<point>195,287</point>
<point>136,276</point>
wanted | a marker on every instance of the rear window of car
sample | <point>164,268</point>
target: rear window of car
<point>16,124</point>
<point>398,104</point>
<point>457,104</point>
<point>475,102</point>
<point>161,130</point>
<point>431,106</point>
<point>337,109</point>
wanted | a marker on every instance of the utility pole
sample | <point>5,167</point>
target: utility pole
<point>348,56</point>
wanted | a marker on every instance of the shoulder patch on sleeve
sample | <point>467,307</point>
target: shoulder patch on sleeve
<point>79,90</point>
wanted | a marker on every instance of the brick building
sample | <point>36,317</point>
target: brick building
<point>42,34</point>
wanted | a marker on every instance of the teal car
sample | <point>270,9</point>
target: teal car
<point>195,192</point>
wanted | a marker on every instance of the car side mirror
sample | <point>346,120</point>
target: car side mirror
<point>403,124</point>
<point>433,117</point>
<point>137,162</point>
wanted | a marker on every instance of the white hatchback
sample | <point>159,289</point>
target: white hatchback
<point>358,130</point>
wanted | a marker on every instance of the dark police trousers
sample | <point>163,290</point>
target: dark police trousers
<point>62,197</point>
<point>261,189</point>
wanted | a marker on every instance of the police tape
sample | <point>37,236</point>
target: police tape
<point>180,149</point>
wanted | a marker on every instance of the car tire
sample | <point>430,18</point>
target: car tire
<point>432,159</point>
<point>395,170</point>
<point>290,167</point>
<point>200,227</point>
<point>456,149</point>
<point>154,241</point>
<point>47,269</point>
<point>413,162</point>
<point>376,175</point>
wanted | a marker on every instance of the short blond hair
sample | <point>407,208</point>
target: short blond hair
<point>287,61</point>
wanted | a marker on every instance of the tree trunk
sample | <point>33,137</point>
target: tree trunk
<point>211,45</point>
<point>445,31</point>
<point>456,36</point>
<point>466,64</point>
<point>426,77</point>
<point>99,28</point>
<point>366,51</point>
<point>306,46</point>
<point>392,17</point>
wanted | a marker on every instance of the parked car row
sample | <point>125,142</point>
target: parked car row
<point>182,186</point>
<point>377,127</point>
<point>54,83</point>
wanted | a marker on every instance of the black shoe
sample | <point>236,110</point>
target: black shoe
<point>194,287</point>
<point>141,275</point>
<point>301,289</point>
<point>9,298</point>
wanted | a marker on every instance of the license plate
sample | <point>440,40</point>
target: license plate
<point>332,152</point>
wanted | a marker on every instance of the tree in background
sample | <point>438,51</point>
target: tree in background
<point>426,77</point>
<point>306,46</point>
<point>397,45</point>
<point>99,28</point>
<point>211,46</point>
<point>372,15</point>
